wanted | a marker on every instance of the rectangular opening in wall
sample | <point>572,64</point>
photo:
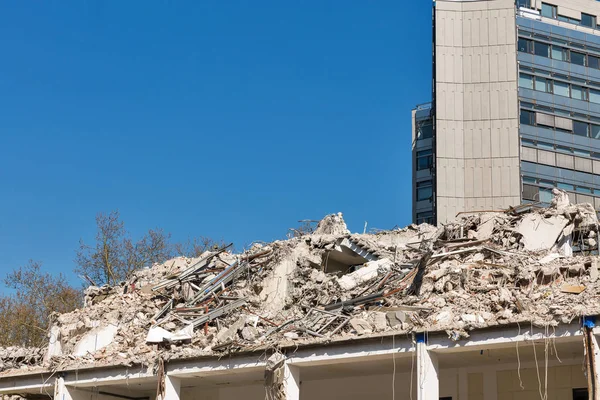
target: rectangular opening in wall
<point>578,58</point>
<point>542,49</point>
<point>581,128</point>
<point>530,192</point>
<point>424,159</point>
<point>425,217</point>
<point>424,130</point>
<point>580,394</point>
<point>549,10</point>
<point>588,20</point>
<point>527,117</point>
<point>526,81</point>
<point>424,190</point>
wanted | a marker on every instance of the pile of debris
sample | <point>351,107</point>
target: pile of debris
<point>525,264</point>
<point>17,357</point>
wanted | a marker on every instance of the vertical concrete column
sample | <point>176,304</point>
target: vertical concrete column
<point>591,353</point>
<point>172,388</point>
<point>292,382</point>
<point>60,390</point>
<point>428,383</point>
<point>63,392</point>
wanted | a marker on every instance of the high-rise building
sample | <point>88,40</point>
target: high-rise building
<point>515,109</point>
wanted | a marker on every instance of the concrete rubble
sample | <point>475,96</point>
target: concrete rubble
<point>525,264</point>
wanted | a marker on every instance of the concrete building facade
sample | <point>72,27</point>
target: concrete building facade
<point>515,109</point>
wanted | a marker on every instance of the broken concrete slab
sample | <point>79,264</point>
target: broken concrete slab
<point>539,232</point>
<point>361,326</point>
<point>364,274</point>
<point>95,340</point>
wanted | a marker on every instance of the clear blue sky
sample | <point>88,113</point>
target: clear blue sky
<point>227,119</point>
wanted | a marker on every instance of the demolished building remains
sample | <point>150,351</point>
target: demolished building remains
<point>422,311</point>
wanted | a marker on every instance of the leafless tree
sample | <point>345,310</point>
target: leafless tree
<point>194,247</point>
<point>24,315</point>
<point>104,262</point>
<point>114,255</point>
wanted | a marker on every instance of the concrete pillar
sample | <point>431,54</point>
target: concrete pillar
<point>63,392</point>
<point>428,383</point>
<point>172,388</point>
<point>591,354</point>
<point>292,382</point>
<point>60,390</point>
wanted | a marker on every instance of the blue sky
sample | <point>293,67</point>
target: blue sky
<point>226,119</point>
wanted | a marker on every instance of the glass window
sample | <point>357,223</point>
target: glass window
<point>569,20</point>
<point>424,190</point>
<point>530,192</point>
<point>577,92</point>
<point>578,58</point>
<point>525,45</point>
<point>595,96</point>
<point>548,10</point>
<point>542,49</point>
<point>595,131</point>
<point>583,153</point>
<point>425,130</point>
<point>524,3</point>
<point>543,84</point>
<point>545,146</point>
<point>545,195</point>
<point>565,186</point>
<point>424,159</point>
<point>526,81</point>
<point>588,20</point>
<point>564,149</point>
<point>593,62</point>
<point>562,89</point>
<point>529,179</point>
<point>425,217</point>
<point>559,53</point>
<point>527,142</point>
<point>582,189</point>
<point>527,117</point>
<point>581,128</point>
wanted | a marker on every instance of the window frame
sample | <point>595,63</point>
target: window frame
<point>428,157</point>
<point>528,45</point>
<point>537,45</point>
<point>424,185</point>
<point>578,54</point>
<point>530,117</point>
<point>553,8</point>
<point>578,124</point>
<point>593,19</point>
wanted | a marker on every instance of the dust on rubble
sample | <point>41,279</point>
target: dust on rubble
<point>524,264</point>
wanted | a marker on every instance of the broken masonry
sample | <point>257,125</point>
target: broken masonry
<point>525,264</point>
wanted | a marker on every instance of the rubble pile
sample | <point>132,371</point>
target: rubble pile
<point>17,357</point>
<point>525,264</point>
